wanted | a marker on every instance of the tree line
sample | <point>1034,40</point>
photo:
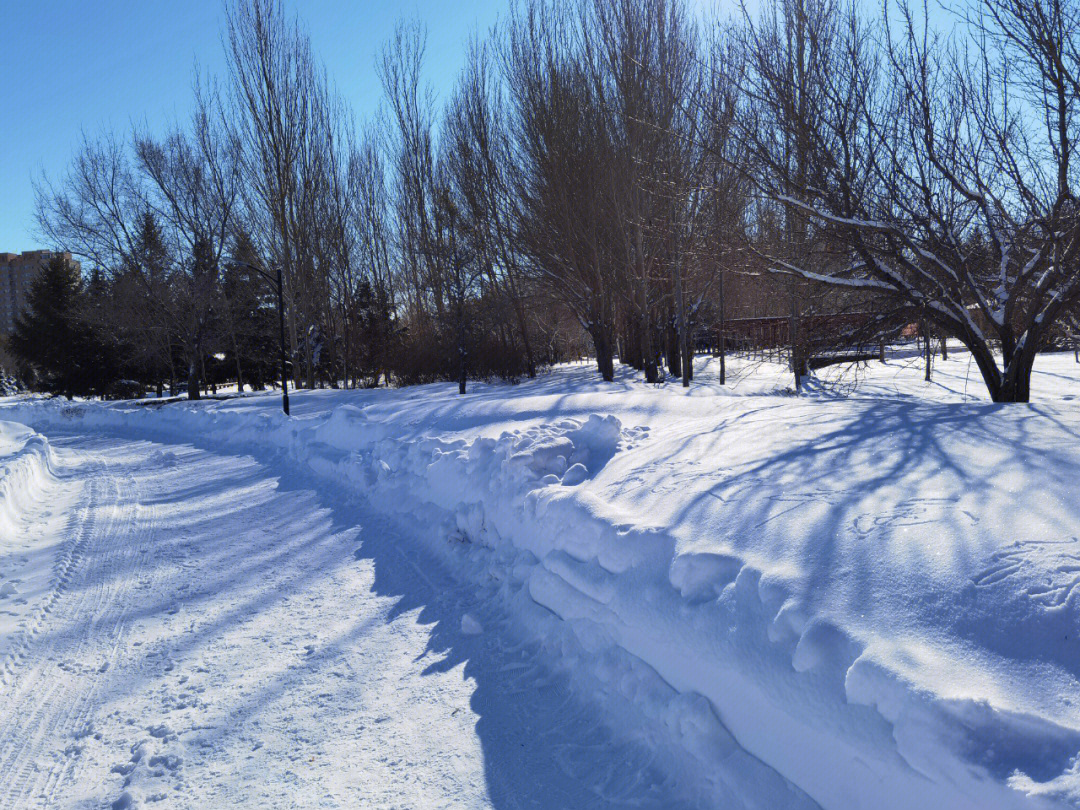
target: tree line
<point>607,176</point>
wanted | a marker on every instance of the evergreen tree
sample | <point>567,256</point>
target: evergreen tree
<point>53,337</point>
<point>97,304</point>
<point>145,287</point>
<point>250,316</point>
<point>375,319</point>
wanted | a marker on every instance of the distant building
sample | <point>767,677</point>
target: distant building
<point>17,273</point>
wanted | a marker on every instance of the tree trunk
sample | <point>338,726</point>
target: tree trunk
<point>686,361</point>
<point>463,369</point>
<point>309,359</point>
<point>605,362</point>
<point>687,357</point>
<point>294,354</point>
<point>648,352</point>
<point>1016,379</point>
<point>1015,389</point>
<point>671,343</point>
<point>193,379</point>
<point>202,370</point>
<point>1012,385</point>
<point>239,368</point>
<point>631,345</point>
<point>463,351</point>
<point>723,337</point>
<point>797,362</point>
<point>530,360</point>
<point>924,328</point>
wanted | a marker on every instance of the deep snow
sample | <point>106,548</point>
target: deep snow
<point>217,633</point>
<point>853,598</point>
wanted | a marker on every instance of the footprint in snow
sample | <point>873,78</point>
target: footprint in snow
<point>1047,571</point>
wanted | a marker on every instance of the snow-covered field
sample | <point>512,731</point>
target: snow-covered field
<point>563,593</point>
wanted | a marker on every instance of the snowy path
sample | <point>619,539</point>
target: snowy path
<point>855,599</point>
<point>213,635</point>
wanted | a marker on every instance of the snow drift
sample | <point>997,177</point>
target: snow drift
<point>26,468</point>
<point>29,567</point>
<point>853,603</point>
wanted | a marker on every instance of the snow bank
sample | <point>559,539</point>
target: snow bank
<point>26,467</point>
<point>803,694</point>
<point>32,501</point>
<point>850,603</point>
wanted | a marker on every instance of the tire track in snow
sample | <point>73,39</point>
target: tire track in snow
<point>68,557</point>
<point>258,660</point>
<point>111,611</point>
<point>50,699</point>
<point>32,698</point>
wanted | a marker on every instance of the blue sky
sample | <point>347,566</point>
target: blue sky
<point>68,67</point>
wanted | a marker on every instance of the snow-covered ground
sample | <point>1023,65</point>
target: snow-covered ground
<point>211,633</point>
<point>565,593</point>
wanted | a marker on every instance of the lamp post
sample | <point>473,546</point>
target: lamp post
<point>281,322</point>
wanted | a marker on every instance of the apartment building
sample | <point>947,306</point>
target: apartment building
<point>17,272</point>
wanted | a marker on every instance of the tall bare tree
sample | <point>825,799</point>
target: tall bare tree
<point>911,155</point>
<point>280,102</point>
<point>193,186</point>
<point>562,150</point>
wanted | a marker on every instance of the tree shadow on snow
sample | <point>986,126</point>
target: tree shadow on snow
<point>542,747</point>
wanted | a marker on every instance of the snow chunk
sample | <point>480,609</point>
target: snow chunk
<point>470,626</point>
<point>575,475</point>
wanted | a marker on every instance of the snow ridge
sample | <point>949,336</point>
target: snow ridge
<point>31,578</point>
<point>718,653</point>
<point>26,469</point>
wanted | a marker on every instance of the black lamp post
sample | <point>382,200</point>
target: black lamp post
<point>281,321</point>
<point>284,364</point>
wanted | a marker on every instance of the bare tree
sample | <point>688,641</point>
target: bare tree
<point>410,144</point>
<point>910,157</point>
<point>642,59</point>
<point>193,186</point>
<point>371,228</point>
<point>279,117</point>
<point>564,157</point>
<point>480,141</point>
<point>99,211</point>
<point>723,156</point>
<point>795,75</point>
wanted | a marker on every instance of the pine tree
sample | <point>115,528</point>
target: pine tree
<point>249,315</point>
<point>375,320</point>
<point>54,339</point>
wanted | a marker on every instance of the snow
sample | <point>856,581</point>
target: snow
<point>858,597</point>
<point>230,636</point>
<point>32,559</point>
<point>470,626</point>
